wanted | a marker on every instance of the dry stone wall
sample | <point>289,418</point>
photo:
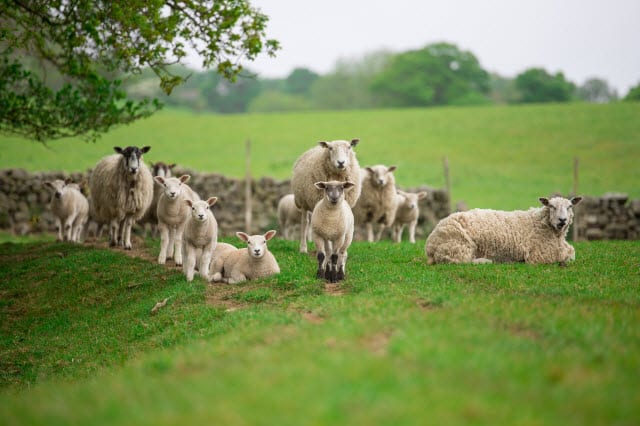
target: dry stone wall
<point>609,217</point>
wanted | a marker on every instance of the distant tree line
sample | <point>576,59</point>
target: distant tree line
<point>438,74</point>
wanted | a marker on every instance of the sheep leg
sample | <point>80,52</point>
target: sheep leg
<point>304,225</point>
<point>342,265</point>
<point>126,233</point>
<point>333,274</point>
<point>398,229</point>
<point>369,227</point>
<point>68,228</point>
<point>164,242</point>
<point>114,232</point>
<point>380,231</point>
<point>178,245</point>
<point>190,261</point>
<point>236,277</point>
<point>205,260</point>
<point>59,228</point>
<point>172,242</point>
<point>412,231</point>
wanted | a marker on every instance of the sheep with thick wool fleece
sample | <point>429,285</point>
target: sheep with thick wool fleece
<point>289,217</point>
<point>163,170</point>
<point>70,207</point>
<point>172,213</point>
<point>407,212</point>
<point>537,235</point>
<point>121,192</point>
<point>329,161</point>
<point>377,200</point>
<point>217,260</point>
<point>200,237</point>
<point>251,262</point>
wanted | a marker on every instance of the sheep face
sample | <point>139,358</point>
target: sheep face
<point>132,156</point>
<point>560,211</point>
<point>162,169</point>
<point>334,190</point>
<point>58,187</point>
<point>172,186</point>
<point>379,175</point>
<point>256,244</point>
<point>339,152</point>
<point>410,200</point>
<point>199,209</point>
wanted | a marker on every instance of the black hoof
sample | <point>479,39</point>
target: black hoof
<point>320,274</point>
<point>340,275</point>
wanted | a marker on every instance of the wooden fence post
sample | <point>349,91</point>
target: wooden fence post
<point>247,189</point>
<point>447,179</point>
<point>576,165</point>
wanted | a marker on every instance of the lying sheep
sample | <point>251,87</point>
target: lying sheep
<point>217,260</point>
<point>332,228</point>
<point>121,191</point>
<point>407,212</point>
<point>151,216</point>
<point>536,235</point>
<point>328,161</point>
<point>172,213</point>
<point>254,261</point>
<point>200,237</point>
<point>289,217</point>
<point>377,200</point>
<point>70,207</point>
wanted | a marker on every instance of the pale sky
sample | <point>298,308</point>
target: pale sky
<point>581,38</point>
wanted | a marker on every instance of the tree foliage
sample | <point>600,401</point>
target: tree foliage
<point>61,60</point>
<point>537,85</point>
<point>596,90</point>
<point>634,94</point>
<point>438,74</point>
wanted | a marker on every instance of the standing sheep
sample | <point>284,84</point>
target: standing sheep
<point>289,217</point>
<point>407,212</point>
<point>151,216</point>
<point>254,261</point>
<point>121,192</point>
<point>200,237</point>
<point>377,201</point>
<point>332,226</point>
<point>536,235</point>
<point>172,213</point>
<point>70,207</point>
<point>328,161</point>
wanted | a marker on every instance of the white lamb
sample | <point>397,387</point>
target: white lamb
<point>254,261</point>
<point>217,260</point>
<point>289,217</point>
<point>328,161</point>
<point>172,213</point>
<point>121,192</point>
<point>536,235</point>
<point>70,207</point>
<point>161,169</point>
<point>332,226</point>
<point>200,237</point>
<point>407,212</point>
<point>377,201</point>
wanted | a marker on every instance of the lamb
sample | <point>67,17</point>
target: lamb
<point>217,260</point>
<point>407,211</point>
<point>328,161</point>
<point>332,225</point>
<point>172,213</point>
<point>151,216</point>
<point>533,236</point>
<point>289,217</point>
<point>200,237</point>
<point>70,207</point>
<point>377,201</point>
<point>121,191</point>
<point>254,261</point>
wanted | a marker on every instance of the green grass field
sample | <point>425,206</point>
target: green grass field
<point>402,343</point>
<point>500,157</point>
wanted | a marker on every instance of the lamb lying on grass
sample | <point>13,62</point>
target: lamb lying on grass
<point>536,235</point>
<point>254,261</point>
<point>70,207</point>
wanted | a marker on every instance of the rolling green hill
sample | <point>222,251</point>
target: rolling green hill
<point>500,157</point>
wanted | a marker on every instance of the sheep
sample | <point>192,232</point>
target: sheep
<point>377,201</point>
<point>407,212</point>
<point>151,216</point>
<point>172,213</point>
<point>328,161</point>
<point>217,260</point>
<point>332,226</point>
<point>534,236</point>
<point>200,237</point>
<point>121,191</point>
<point>70,207</point>
<point>289,217</point>
<point>254,261</point>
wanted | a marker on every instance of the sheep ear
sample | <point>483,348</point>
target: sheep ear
<point>172,165</point>
<point>422,195</point>
<point>159,179</point>
<point>347,185</point>
<point>49,184</point>
<point>544,201</point>
<point>244,237</point>
<point>185,178</point>
<point>354,142</point>
<point>145,149</point>
<point>270,234</point>
<point>320,185</point>
<point>117,149</point>
<point>369,169</point>
<point>392,169</point>
<point>211,201</point>
<point>323,144</point>
<point>67,181</point>
<point>189,202</point>
<point>576,200</point>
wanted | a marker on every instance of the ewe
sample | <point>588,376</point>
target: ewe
<point>151,216</point>
<point>536,235</point>
<point>332,229</point>
<point>200,237</point>
<point>377,200</point>
<point>70,207</point>
<point>254,261</point>
<point>329,161</point>
<point>121,192</point>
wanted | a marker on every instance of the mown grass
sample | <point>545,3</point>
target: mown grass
<point>401,343</point>
<point>500,157</point>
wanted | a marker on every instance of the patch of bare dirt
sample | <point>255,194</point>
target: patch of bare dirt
<point>312,317</point>
<point>334,289</point>
<point>378,343</point>
<point>219,294</point>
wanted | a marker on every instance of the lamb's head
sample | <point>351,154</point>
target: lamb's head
<point>256,244</point>
<point>380,175</point>
<point>57,187</point>
<point>334,190</point>
<point>410,199</point>
<point>132,156</point>
<point>172,186</point>
<point>560,211</point>
<point>339,152</point>
<point>162,169</point>
<point>200,208</point>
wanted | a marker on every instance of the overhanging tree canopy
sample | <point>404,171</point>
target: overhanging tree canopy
<point>61,60</point>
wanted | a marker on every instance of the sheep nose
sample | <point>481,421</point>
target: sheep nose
<point>58,195</point>
<point>173,194</point>
<point>256,251</point>
<point>380,181</point>
<point>340,164</point>
<point>201,216</point>
<point>562,221</point>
